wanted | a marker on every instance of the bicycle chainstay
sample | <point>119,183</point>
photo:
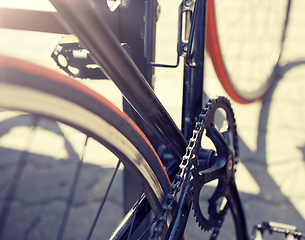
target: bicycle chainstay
<point>186,165</point>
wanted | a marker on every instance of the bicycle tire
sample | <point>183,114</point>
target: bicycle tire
<point>35,90</point>
<point>245,43</point>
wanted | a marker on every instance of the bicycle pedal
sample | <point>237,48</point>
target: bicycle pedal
<point>75,60</point>
<point>289,231</point>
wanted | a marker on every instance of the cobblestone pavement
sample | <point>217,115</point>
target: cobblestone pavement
<point>271,176</point>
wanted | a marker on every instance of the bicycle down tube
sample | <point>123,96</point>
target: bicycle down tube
<point>118,66</point>
<point>94,33</point>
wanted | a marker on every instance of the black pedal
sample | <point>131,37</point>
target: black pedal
<point>75,60</point>
<point>289,231</point>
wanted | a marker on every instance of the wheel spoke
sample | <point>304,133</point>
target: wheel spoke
<point>71,194</point>
<point>5,210</point>
<point>148,227</point>
<point>247,44</point>
<point>134,217</point>
<point>54,209</point>
<point>104,200</point>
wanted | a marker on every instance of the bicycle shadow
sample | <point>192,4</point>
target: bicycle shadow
<point>273,203</point>
<point>36,190</point>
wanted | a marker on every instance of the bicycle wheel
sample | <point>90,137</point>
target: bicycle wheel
<point>245,41</point>
<point>52,183</point>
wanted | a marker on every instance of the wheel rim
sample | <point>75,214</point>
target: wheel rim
<point>18,97</point>
<point>245,56</point>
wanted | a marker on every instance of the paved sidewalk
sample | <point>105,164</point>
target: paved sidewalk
<point>271,177</point>
<point>272,138</point>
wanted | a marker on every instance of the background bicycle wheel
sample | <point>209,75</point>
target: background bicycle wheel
<point>271,132</point>
<point>250,40</point>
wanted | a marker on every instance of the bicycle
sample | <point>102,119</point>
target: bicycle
<point>89,113</point>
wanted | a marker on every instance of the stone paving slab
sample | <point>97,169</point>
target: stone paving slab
<point>271,131</point>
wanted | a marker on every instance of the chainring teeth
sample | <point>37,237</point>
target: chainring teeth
<point>211,106</point>
<point>189,162</point>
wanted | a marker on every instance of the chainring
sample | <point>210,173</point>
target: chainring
<point>222,167</point>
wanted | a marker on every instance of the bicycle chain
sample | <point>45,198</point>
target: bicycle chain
<point>230,152</point>
<point>170,198</point>
<point>186,163</point>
